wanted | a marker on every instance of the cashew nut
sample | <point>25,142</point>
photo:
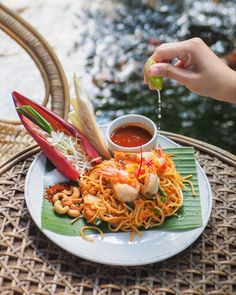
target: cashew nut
<point>59,208</point>
<point>66,201</point>
<point>73,213</point>
<point>76,201</point>
<point>74,207</point>
<point>76,192</point>
<point>68,192</point>
<point>58,196</point>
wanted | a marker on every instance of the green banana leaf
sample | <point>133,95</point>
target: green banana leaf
<point>187,217</point>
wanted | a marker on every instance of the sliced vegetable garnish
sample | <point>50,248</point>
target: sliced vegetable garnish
<point>66,147</point>
<point>154,82</point>
<point>161,193</point>
<point>156,211</point>
<point>163,197</point>
<point>38,117</point>
<point>35,118</point>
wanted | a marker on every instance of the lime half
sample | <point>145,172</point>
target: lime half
<point>154,82</point>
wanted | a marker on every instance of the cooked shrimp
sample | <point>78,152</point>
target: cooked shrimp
<point>132,157</point>
<point>150,186</point>
<point>89,212</point>
<point>155,155</point>
<point>125,193</point>
<point>125,185</point>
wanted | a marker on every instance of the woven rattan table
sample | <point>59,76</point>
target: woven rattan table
<point>32,264</point>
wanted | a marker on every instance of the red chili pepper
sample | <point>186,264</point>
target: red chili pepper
<point>150,163</point>
<point>141,162</point>
<point>56,188</point>
<point>161,169</point>
<point>159,152</point>
<point>58,124</point>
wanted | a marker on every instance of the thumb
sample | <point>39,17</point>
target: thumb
<point>170,71</point>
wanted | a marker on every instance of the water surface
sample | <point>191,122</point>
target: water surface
<point>107,43</point>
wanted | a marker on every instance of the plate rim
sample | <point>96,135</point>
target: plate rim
<point>126,262</point>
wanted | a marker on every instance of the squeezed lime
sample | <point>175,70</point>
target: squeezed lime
<point>154,82</point>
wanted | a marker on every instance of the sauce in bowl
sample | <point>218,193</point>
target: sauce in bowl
<point>130,136</point>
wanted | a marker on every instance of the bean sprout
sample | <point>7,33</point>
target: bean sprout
<point>71,148</point>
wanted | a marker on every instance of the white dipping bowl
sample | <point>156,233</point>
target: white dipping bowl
<point>134,120</point>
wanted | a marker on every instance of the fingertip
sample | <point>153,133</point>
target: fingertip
<point>156,57</point>
<point>150,87</point>
<point>154,71</point>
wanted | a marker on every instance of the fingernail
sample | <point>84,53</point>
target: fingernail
<point>154,72</point>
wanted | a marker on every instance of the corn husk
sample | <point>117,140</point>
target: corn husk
<point>83,118</point>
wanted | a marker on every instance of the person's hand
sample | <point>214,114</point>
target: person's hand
<point>197,67</point>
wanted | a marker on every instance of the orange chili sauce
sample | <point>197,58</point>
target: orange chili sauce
<point>130,136</point>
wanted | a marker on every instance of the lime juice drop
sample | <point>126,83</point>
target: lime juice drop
<point>157,84</point>
<point>158,111</point>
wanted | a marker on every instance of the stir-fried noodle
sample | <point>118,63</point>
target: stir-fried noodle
<point>131,192</point>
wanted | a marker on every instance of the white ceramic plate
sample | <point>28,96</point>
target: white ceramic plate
<point>115,248</point>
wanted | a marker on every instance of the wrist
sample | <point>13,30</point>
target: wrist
<point>227,87</point>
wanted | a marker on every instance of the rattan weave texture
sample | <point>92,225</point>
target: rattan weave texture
<point>12,140</point>
<point>37,47</point>
<point>32,264</point>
